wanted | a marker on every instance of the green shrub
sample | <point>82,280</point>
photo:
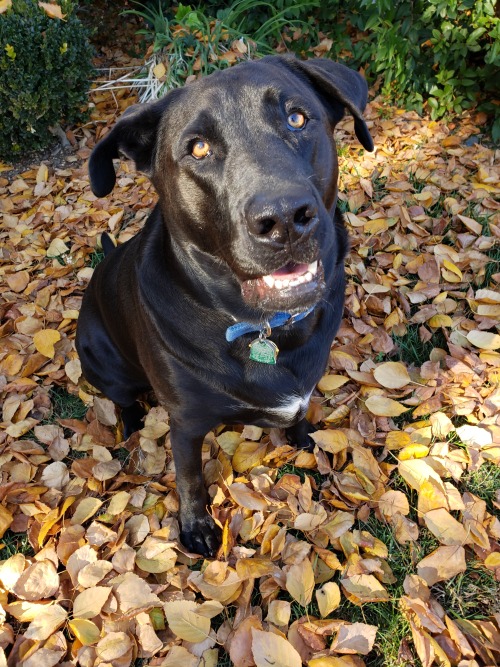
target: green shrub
<point>445,53</point>
<point>45,65</point>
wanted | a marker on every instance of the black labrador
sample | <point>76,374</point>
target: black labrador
<point>228,300</point>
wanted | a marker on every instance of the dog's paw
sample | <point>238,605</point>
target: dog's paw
<point>201,535</point>
<point>300,435</point>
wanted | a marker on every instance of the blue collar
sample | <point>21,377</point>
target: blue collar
<point>241,328</point>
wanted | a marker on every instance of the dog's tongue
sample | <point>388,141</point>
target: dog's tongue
<point>290,271</point>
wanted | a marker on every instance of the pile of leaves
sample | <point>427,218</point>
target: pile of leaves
<point>379,547</point>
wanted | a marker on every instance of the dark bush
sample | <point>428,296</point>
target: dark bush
<point>45,65</point>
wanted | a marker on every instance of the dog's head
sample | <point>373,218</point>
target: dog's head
<point>245,164</point>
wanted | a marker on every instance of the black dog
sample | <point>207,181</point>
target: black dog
<point>227,302</point>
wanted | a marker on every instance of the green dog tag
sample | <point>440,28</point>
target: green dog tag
<point>264,351</point>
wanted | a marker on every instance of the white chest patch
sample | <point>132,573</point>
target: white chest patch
<point>291,407</point>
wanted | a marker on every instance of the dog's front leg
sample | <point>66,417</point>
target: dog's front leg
<point>300,435</point>
<point>199,532</point>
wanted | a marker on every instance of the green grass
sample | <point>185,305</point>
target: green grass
<point>483,483</point>
<point>65,406</point>
<point>473,594</point>
<point>412,350</point>
<point>95,258</point>
<point>15,543</point>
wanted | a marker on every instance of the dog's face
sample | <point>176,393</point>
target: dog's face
<point>246,159</point>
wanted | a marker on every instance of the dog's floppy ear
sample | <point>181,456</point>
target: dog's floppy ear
<point>135,136</point>
<point>340,87</point>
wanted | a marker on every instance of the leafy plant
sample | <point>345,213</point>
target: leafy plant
<point>440,53</point>
<point>192,42</point>
<point>45,64</point>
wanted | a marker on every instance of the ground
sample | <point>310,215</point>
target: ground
<point>379,548</point>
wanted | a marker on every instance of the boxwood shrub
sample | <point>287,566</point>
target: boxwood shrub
<point>45,65</point>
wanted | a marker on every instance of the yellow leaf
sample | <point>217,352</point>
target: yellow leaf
<point>229,441</point>
<point>42,175</point>
<point>86,508</point>
<point>376,226</point>
<point>330,440</point>
<point>6,520</point>
<point>361,588</point>
<point>300,582</point>
<point>453,268</point>
<point>447,529</point>
<point>492,561</point>
<point>44,341</point>
<point>440,321</point>
<point>155,555</point>
<point>278,612</point>
<point>413,452</point>
<point>248,455</point>
<point>331,382</point>
<point>185,622</point>
<point>441,425</point>
<point>52,517</point>
<point>392,375</point>
<point>90,602</point>
<point>159,70</point>
<point>271,649</point>
<point>52,11</point>
<point>384,407</point>
<point>118,503</point>
<point>328,598</point>
<point>397,440</point>
<point>485,340</point>
<point>5,5</point>
<point>85,631</point>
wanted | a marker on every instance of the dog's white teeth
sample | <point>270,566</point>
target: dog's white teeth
<point>278,284</point>
<point>313,267</point>
<point>308,276</point>
<point>269,280</point>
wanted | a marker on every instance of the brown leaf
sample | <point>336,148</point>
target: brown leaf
<point>355,638</point>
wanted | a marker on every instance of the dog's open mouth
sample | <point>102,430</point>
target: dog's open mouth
<point>293,287</point>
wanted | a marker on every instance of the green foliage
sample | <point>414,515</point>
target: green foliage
<point>45,65</point>
<point>198,40</point>
<point>438,55</point>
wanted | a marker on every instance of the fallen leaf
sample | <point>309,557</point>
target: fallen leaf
<point>85,631</point>
<point>442,564</point>
<point>392,375</point>
<point>328,598</point>
<point>385,407</point>
<point>355,638</point>
<point>270,649</point>
<point>44,341</point>
<point>53,11</point>
<point>185,622</point>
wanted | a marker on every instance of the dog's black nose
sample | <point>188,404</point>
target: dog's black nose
<point>281,219</point>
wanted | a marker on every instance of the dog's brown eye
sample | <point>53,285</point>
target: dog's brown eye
<point>296,120</point>
<point>200,149</point>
